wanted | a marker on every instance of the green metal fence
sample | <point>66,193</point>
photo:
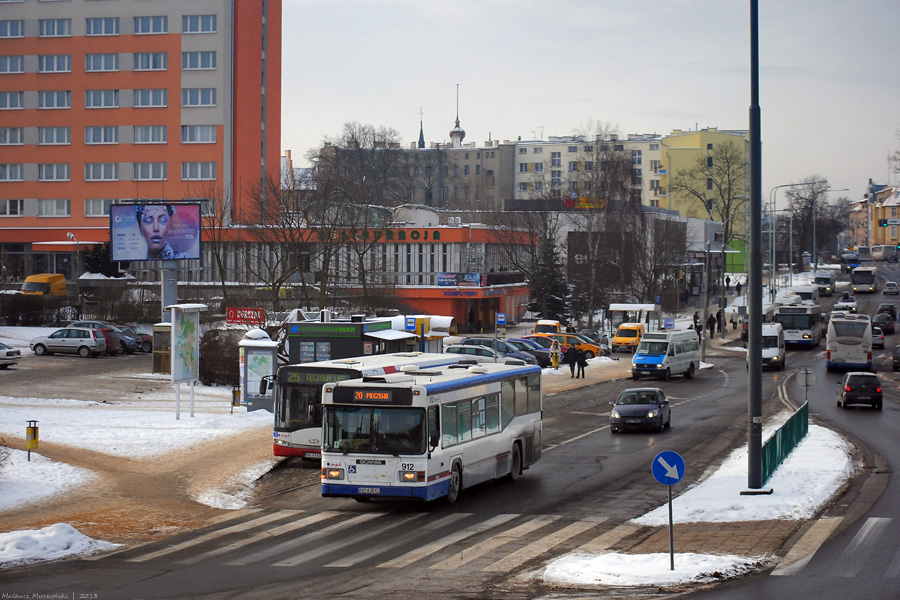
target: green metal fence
<point>783,442</point>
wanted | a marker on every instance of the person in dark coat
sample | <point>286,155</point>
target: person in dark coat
<point>737,288</point>
<point>696,319</point>
<point>571,358</point>
<point>711,325</point>
<point>720,320</point>
<point>581,360</point>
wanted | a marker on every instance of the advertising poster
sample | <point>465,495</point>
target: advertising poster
<point>185,346</point>
<point>140,232</point>
<point>259,363</point>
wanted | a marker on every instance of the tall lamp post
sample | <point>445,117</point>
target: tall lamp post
<point>772,197</point>
<point>71,236</point>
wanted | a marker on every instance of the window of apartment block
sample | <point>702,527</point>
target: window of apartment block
<point>97,207</point>
<point>573,186</point>
<point>12,28</point>
<point>54,27</point>
<point>555,177</point>
<point>198,23</point>
<point>587,186</point>
<point>151,61</point>
<point>654,146</point>
<point>54,208</point>
<point>709,184</point>
<point>101,26</point>
<point>192,171</point>
<point>198,97</point>
<point>11,208</point>
<point>466,170</point>
<point>12,136</point>
<point>537,150</point>
<point>588,148</point>
<point>589,165</point>
<point>150,171</point>
<point>636,157</point>
<point>149,25</point>
<point>54,135</point>
<point>709,162</point>
<point>538,167</point>
<point>101,62</point>
<point>478,169</point>
<point>150,134</point>
<point>523,167</point>
<point>55,99</point>
<point>151,98</point>
<point>101,99</point>
<point>10,172</point>
<point>55,63</point>
<point>523,150</point>
<point>654,165</point>
<point>556,159</point>
<point>637,177</point>
<point>709,146</point>
<point>101,171</point>
<point>538,186</point>
<point>573,148</point>
<point>11,100</point>
<point>573,166</point>
<point>101,134</point>
<point>54,172</point>
<point>198,134</point>
<point>198,61</point>
<point>523,187</point>
<point>12,64</point>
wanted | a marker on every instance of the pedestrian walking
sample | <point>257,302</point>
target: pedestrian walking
<point>696,319</point>
<point>737,288</point>
<point>720,320</point>
<point>727,283</point>
<point>571,358</point>
<point>581,360</point>
<point>733,322</point>
<point>555,354</point>
<point>711,325</point>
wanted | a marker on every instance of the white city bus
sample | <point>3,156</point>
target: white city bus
<point>864,279</point>
<point>430,434</point>
<point>298,394</point>
<point>802,323</point>
<point>849,342</point>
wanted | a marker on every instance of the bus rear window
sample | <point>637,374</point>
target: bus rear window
<point>849,328</point>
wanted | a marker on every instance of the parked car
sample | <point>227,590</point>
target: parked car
<point>540,354</point>
<point>895,359</point>
<point>144,339</point>
<point>877,338</point>
<point>478,353</point>
<point>640,408</point>
<point>597,335</point>
<point>83,341</point>
<point>884,321</point>
<point>891,287</point>
<point>9,356</point>
<point>859,387</point>
<point>116,339</point>
<point>889,309</point>
<point>544,342</point>
<point>503,347</point>
<point>573,339</point>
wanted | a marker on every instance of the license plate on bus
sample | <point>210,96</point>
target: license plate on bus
<point>313,455</point>
<point>369,490</point>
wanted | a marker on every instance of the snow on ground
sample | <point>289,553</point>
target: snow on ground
<point>809,476</point>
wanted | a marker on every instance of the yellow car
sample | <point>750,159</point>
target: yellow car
<point>568,339</point>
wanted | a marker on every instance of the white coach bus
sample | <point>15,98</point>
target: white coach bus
<point>428,434</point>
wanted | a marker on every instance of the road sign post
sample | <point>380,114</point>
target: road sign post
<point>668,469</point>
<point>807,380</point>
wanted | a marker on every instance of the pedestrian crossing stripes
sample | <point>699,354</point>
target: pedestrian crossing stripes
<point>460,541</point>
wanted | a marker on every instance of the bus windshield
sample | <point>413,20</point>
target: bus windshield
<point>653,348</point>
<point>297,406</point>
<point>794,321</point>
<point>373,430</point>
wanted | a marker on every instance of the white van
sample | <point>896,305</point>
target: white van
<point>773,346</point>
<point>825,282</point>
<point>665,353</point>
<point>808,293</point>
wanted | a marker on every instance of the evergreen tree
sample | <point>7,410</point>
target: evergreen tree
<point>548,283</point>
<point>97,260</point>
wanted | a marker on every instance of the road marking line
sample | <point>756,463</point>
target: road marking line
<point>574,439</point>
<point>349,561</point>
<point>429,549</point>
<point>264,534</point>
<point>469,554</point>
<point>853,557</point>
<point>535,549</point>
<point>893,571</point>
<point>802,552</point>
<point>304,540</point>
<point>605,540</point>
<point>216,534</point>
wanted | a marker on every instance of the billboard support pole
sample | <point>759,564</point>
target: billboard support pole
<point>168,275</point>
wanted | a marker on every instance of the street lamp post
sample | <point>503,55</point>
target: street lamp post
<point>71,236</point>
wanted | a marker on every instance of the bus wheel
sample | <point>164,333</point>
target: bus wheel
<point>516,470</point>
<point>455,484</point>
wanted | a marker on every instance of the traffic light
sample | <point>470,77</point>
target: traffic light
<point>883,222</point>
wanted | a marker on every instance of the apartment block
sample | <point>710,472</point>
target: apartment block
<point>116,101</point>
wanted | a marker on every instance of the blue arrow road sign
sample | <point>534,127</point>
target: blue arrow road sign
<point>668,467</point>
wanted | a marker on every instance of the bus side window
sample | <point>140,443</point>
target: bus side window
<point>449,418</point>
<point>492,414</point>
<point>534,393</point>
<point>507,402</point>
<point>522,396</point>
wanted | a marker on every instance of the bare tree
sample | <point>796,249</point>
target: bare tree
<point>215,211</point>
<point>813,214</point>
<point>894,158</point>
<point>715,187</point>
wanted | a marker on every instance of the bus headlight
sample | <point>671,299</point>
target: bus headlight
<point>806,336</point>
<point>412,476</point>
<point>332,473</point>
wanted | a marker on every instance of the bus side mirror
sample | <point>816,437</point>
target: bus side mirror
<point>266,384</point>
<point>435,439</point>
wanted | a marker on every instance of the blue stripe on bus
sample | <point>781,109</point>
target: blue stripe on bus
<point>429,492</point>
<point>479,378</point>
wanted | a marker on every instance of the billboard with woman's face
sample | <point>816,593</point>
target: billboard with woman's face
<point>154,232</point>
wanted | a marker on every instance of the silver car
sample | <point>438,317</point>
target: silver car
<point>82,341</point>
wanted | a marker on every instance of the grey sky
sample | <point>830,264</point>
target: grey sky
<point>828,75</point>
